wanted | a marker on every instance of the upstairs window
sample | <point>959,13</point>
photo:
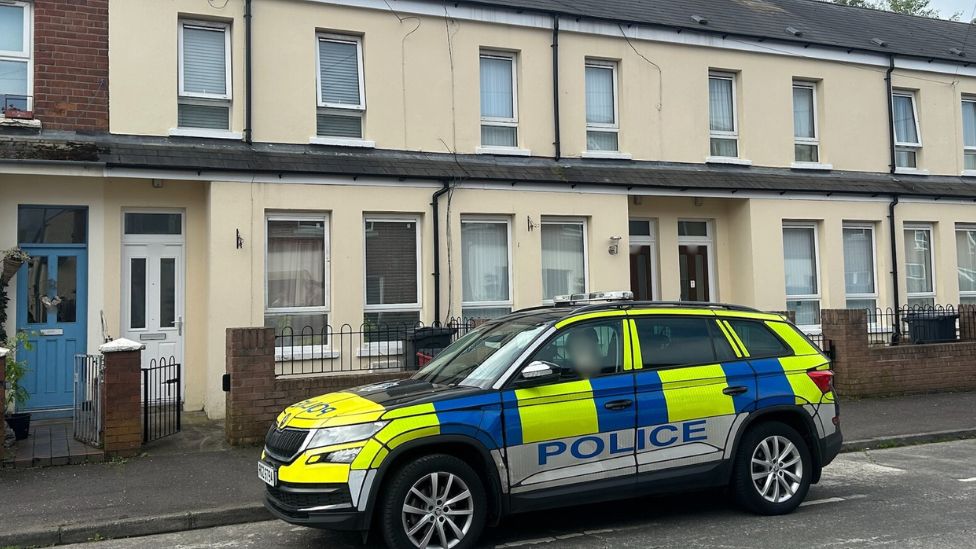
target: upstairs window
<point>969,133</point>
<point>15,56</point>
<point>907,135</point>
<point>806,144</point>
<point>205,75</point>
<point>341,94</point>
<point>722,119</point>
<point>601,106</point>
<point>499,111</point>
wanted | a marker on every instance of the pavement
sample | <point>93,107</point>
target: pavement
<point>193,480</point>
<point>912,497</point>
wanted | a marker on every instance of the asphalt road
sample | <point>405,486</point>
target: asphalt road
<point>921,496</point>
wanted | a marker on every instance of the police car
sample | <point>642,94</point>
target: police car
<point>596,398</point>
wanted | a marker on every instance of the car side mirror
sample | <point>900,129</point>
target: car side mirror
<point>537,372</point>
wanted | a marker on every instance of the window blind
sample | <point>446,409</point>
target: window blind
<point>496,88</point>
<point>918,261</point>
<point>599,95</point>
<point>213,117</point>
<point>966,252</point>
<point>204,61</point>
<point>803,122</point>
<point>338,125</point>
<point>391,262</point>
<point>339,72</point>
<point>905,128</point>
<point>858,260</point>
<point>562,259</point>
<point>484,262</point>
<point>799,252</point>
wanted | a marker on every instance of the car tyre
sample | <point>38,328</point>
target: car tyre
<point>772,469</point>
<point>434,499</point>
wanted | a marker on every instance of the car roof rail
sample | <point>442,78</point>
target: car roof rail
<point>672,304</point>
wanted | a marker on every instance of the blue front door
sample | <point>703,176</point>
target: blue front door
<point>52,304</point>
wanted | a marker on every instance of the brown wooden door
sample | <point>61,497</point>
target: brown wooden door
<point>693,264</point>
<point>641,273</point>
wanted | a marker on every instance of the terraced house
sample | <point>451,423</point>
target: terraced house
<point>179,167</point>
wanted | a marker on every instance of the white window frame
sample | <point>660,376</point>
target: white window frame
<point>228,68</point>
<point>345,39</point>
<point>286,216</point>
<point>874,261</point>
<point>964,228</point>
<point>25,55</point>
<point>931,230</point>
<point>509,303</point>
<point>818,297</point>
<point>650,240</point>
<point>498,121</point>
<point>915,147</point>
<point>734,134</point>
<point>815,140</point>
<point>971,148</point>
<point>394,307</point>
<point>602,127</point>
<point>557,220</point>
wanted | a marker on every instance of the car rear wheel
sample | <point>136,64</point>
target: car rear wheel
<point>435,502</point>
<point>772,469</point>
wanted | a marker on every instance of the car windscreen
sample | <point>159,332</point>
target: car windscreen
<point>481,356</point>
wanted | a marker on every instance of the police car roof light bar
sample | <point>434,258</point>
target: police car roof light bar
<point>593,297</point>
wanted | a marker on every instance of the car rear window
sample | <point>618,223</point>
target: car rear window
<point>758,339</point>
<point>674,341</point>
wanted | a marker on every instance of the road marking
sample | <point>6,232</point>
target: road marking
<point>970,479</point>
<point>819,501</point>
<point>526,542</point>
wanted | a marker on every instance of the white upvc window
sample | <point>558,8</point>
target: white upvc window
<point>499,100</point>
<point>296,280</point>
<point>392,261</point>
<point>205,84</point>
<point>486,267</point>
<point>908,137</point>
<point>860,272</point>
<point>966,258</point>
<point>16,59</point>
<point>969,134</point>
<point>341,95</point>
<point>723,123</point>
<point>806,137</point>
<point>564,257</point>
<point>801,255</point>
<point>602,122</point>
<point>919,265</point>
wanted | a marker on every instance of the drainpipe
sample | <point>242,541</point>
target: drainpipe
<point>891,115</point>
<point>437,248</point>
<point>247,72</point>
<point>555,86</point>
<point>892,229</point>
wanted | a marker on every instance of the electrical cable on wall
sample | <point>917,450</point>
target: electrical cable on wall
<point>403,66</point>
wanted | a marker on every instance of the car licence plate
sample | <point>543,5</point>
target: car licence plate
<point>267,473</point>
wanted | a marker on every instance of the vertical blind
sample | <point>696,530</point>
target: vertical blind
<point>391,262</point>
<point>969,123</point>
<point>296,263</point>
<point>562,259</point>
<point>484,262</point>
<point>858,260</point>
<point>918,260</point>
<point>204,60</point>
<point>803,121</point>
<point>496,88</point>
<point>966,252</point>
<point>799,251</point>
<point>721,114</point>
<point>339,72</point>
<point>12,29</point>
<point>904,115</point>
<point>599,95</point>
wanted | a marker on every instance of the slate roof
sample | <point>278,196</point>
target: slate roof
<point>821,23</point>
<point>182,154</point>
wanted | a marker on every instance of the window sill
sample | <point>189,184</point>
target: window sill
<point>343,142</point>
<point>911,171</point>
<point>606,155</point>
<point>811,166</point>
<point>380,349</point>
<point>727,160</point>
<point>503,151</point>
<point>203,132</point>
<point>305,352</point>
<point>969,173</point>
<point>32,123</point>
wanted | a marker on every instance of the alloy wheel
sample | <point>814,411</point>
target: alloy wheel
<point>777,469</point>
<point>438,511</point>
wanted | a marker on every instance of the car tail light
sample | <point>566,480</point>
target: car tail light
<point>823,378</point>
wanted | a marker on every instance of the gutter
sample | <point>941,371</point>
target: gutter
<point>892,228</point>
<point>247,72</point>
<point>434,202</point>
<point>555,87</point>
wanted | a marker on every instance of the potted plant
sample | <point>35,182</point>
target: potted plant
<point>12,259</point>
<point>16,393</point>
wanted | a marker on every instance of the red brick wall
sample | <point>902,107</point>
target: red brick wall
<point>257,396</point>
<point>71,64</point>
<point>121,403</point>
<point>864,370</point>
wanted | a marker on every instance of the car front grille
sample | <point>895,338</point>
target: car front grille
<point>337,495</point>
<point>283,444</point>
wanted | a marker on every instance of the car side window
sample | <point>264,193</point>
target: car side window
<point>674,341</point>
<point>758,339</point>
<point>583,351</point>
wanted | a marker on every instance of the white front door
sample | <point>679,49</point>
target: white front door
<point>153,284</point>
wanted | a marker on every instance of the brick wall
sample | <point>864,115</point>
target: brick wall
<point>71,64</point>
<point>257,396</point>
<point>864,370</point>
<point>121,403</point>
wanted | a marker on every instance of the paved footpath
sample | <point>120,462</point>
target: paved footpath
<point>915,497</point>
<point>198,482</point>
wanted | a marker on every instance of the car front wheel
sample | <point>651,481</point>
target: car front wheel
<point>435,502</point>
<point>772,469</point>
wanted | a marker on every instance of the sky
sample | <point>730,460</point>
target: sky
<point>948,7</point>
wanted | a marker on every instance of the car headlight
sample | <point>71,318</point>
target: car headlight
<point>331,436</point>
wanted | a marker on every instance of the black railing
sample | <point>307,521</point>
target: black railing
<point>918,325</point>
<point>371,347</point>
<point>87,420</point>
<point>161,399</point>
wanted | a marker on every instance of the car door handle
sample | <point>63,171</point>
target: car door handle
<point>619,404</point>
<point>736,390</point>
